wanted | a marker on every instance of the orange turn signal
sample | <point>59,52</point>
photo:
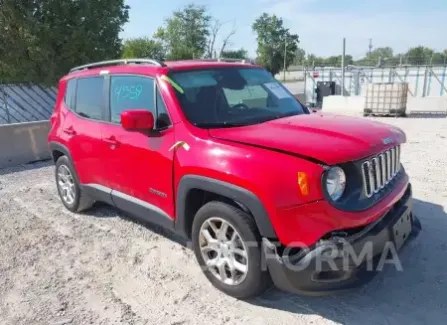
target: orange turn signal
<point>303,183</point>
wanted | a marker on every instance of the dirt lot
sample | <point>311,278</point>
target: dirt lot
<point>102,268</point>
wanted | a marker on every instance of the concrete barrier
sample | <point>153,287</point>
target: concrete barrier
<point>427,105</point>
<point>22,143</point>
<point>354,105</point>
<point>347,105</point>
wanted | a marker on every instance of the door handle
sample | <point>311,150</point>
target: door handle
<point>69,131</point>
<point>112,141</point>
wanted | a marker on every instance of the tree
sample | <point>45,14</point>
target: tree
<point>235,54</point>
<point>335,61</point>
<point>313,61</point>
<point>185,34</point>
<point>378,56</point>
<point>40,40</point>
<point>300,57</point>
<point>419,55</point>
<point>143,47</point>
<point>214,31</point>
<point>274,40</point>
<point>439,58</point>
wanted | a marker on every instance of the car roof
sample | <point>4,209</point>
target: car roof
<point>150,66</point>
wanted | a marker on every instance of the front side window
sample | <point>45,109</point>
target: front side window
<point>131,92</point>
<point>232,96</point>
<point>89,97</point>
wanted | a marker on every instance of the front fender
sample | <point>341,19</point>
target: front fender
<point>231,191</point>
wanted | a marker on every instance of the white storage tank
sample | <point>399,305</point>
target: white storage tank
<point>386,99</point>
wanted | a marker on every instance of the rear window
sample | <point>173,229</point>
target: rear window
<point>89,97</point>
<point>70,94</point>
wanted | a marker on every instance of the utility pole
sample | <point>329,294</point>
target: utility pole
<point>285,58</point>
<point>343,68</point>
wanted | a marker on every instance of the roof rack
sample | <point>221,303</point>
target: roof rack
<point>118,62</point>
<point>223,60</point>
<point>232,60</point>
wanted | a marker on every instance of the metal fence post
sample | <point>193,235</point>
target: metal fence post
<point>441,82</point>
<point>305,85</point>
<point>357,82</point>
<point>343,68</point>
<point>443,79</point>
<point>5,103</point>
<point>417,82</point>
<point>424,87</point>
<point>430,74</point>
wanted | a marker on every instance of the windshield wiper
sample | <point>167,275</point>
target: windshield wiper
<point>275,117</point>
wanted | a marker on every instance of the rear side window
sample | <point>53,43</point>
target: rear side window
<point>89,97</point>
<point>131,92</point>
<point>70,94</point>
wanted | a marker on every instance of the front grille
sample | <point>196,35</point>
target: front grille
<point>378,171</point>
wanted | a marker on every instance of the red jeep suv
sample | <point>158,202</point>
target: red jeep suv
<point>224,155</point>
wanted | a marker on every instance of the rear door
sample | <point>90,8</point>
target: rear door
<point>140,164</point>
<point>82,128</point>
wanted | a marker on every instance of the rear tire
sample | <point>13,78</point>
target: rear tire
<point>68,187</point>
<point>233,255</point>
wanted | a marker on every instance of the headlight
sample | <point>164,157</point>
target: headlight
<point>335,182</point>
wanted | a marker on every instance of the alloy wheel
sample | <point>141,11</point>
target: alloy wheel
<point>223,250</point>
<point>66,184</point>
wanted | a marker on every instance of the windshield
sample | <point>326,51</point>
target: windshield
<point>228,97</point>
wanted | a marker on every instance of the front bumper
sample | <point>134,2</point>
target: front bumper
<point>341,263</point>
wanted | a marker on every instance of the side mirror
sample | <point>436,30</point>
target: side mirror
<point>137,119</point>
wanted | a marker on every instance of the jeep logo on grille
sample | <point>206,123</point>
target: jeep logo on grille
<point>387,140</point>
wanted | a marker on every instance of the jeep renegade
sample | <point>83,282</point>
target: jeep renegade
<point>224,155</point>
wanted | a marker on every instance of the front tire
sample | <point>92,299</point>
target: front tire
<point>226,243</point>
<point>69,188</point>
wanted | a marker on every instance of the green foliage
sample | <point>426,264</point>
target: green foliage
<point>379,56</point>
<point>235,54</point>
<point>40,40</point>
<point>419,55</point>
<point>300,57</point>
<point>439,58</point>
<point>331,61</point>
<point>185,34</point>
<point>143,47</point>
<point>274,41</point>
<point>384,57</point>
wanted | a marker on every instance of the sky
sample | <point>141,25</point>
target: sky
<point>320,24</point>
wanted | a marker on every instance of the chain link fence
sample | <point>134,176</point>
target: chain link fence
<point>22,102</point>
<point>423,81</point>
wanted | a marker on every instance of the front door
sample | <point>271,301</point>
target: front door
<point>140,164</point>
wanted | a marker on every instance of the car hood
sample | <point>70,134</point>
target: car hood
<point>327,138</point>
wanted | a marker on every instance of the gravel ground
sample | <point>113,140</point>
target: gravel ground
<point>102,268</point>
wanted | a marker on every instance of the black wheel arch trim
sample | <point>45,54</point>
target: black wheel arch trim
<point>238,194</point>
<point>59,147</point>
